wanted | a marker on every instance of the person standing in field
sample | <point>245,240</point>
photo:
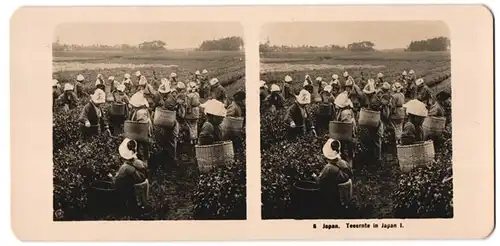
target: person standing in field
<point>345,114</point>
<point>92,116</point>
<point>217,91</point>
<point>326,110</point>
<point>139,113</point>
<point>68,98</point>
<point>55,93</point>
<point>355,95</point>
<point>128,83</point>
<point>412,130</point>
<point>99,83</point>
<point>287,88</point>
<point>380,81</point>
<point>173,80</point>
<point>335,172</point>
<point>298,118</point>
<point>437,110</point>
<point>317,89</point>
<point>346,76</point>
<point>168,140</point>
<point>308,84</point>
<point>131,179</point>
<point>397,114</point>
<point>205,86</point>
<point>263,92</point>
<point>423,93</point>
<point>275,99</point>
<point>371,137</point>
<point>193,110</point>
<point>181,101</point>
<point>119,97</point>
<point>149,93</point>
<point>336,89</point>
<point>210,132</point>
<point>78,86</point>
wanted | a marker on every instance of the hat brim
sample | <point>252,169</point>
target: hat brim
<point>328,152</point>
<point>125,153</point>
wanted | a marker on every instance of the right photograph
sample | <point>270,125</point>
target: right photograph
<point>355,120</point>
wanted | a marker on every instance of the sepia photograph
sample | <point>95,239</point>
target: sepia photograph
<point>355,120</point>
<point>148,121</point>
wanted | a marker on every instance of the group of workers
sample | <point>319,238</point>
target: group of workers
<point>184,98</point>
<point>402,104</point>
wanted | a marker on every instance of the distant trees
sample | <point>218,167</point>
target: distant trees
<point>433,44</point>
<point>154,45</point>
<point>361,46</point>
<point>266,47</point>
<point>225,44</point>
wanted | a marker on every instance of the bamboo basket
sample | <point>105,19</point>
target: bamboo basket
<point>165,118</point>
<point>325,109</point>
<point>232,124</point>
<point>136,130</point>
<point>209,156</point>
<point>340,130</point>
<point>345,192</point>
<point>433,125</point>
<point>117,109</point>
<point>369,118</point>
<point>410,156</point>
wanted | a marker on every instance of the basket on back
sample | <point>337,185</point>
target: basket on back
<point>117,109</point>
<point>340,130</point>
<point>433,125</point>
<point>410,156</point>
<point>136,130</point>
<point>369,118</point>
<point>163,117</point>
<point>232,124</point>
<point>209,156</point>
<point>325,109</point>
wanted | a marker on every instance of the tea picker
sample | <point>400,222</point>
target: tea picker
<point>166,119</point>
<point>275,99</point>
<point>412,130</point>
<point>343,127</point>
<point>68,98</point>
<point>217,91</point>
<point>138,126</point>
<point>119,109</point>
<point>193,110</point>
<point>92,116</point>
<point>298,118</point>
<point>334,180</point>
<point>131,179</point>
<point>210,132</point>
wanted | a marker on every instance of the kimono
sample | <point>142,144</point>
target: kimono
<point>334,173</point>
<point>142,115</point>
<point>132,184</point>
<point>299,115</point>
<point>96,117</point>
<point>193,114</point>
<point>209,134</point>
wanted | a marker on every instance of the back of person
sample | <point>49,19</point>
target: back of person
<point>193,103</point>
<point>209,134</point>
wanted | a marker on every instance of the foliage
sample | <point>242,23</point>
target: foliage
<point>432,44</point>
<point>361,46</point>
<point>229,43</point>
<point>152,45</point>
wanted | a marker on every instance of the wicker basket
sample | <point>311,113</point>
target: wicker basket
<point>398,113</point>
<point>325,109</point>
<point>345,192</point>
<point>209,156</point>
<point>232,124</point>
<point>117,109</point>
<point>369,118</point>
<point>433,125</point>
<point>340,130</point>
<point>410,156</point>
<point>136,130</point>
<point>165,118</point>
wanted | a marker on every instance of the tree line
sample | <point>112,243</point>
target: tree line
<point>433,44</point>
<point>223,44</point>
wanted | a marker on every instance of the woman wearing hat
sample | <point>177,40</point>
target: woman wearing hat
<point>308,84</point>
<point>263,93</point>
<point>149,93</point>
<point>181,101</point>
<point>68,98</point>
<point>131,179</point>
<point>335,172</point>
<point>423,93</point>
<point>193,110</point>
<point>92,116</point>
<point>139,113</point>
<point>345,114</point>
<point>237,107</point>
<point>323,118</point>
<point>275,99</point>
<point>210,132</point>
<point>119,97</point>
<point>128,83</point>
<point>168,137</point>
<point>287,88</point>
<point>297,116</point>
<point>412,130</point>
<point>204,85</point>
<point>55,93</point>
<point>355,95</point>
<point>371,137</point>
<point>99,83</point>
<point>437,110</point>
<point>217,91</point>
<point>397,117</point>
<point>78,86</point>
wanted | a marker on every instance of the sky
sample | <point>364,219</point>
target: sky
<point>179,35</point>
<point>385,35</point>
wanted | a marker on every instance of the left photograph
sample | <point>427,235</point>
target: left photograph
<point>149,121</point>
